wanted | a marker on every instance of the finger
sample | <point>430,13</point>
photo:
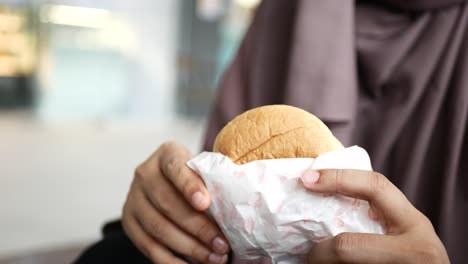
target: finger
<point>164,197</point>
<point>367,185</point>
<point>167,233</point>
<point>174,168</point>
<point>355,248</point>
<point>150,248</point>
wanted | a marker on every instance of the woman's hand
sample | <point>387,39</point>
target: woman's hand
<point>410,236</point>
<point>164,210</point>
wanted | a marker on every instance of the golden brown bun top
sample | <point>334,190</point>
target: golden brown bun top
<point>273,132</point>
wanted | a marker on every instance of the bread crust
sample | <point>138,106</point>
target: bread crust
<point>273,132</point>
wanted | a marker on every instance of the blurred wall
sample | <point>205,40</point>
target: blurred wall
<point>122,67</point>
<point>109,82</point>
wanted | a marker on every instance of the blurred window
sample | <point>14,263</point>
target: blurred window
<point>144,59</point>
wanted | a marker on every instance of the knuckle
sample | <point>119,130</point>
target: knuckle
<point>425,220</point>
<point>187,187</point>
<point>154,254</point>
<point>430,253</point>
<point>125,212</point>
<point>140,173</point>
<point>128,212</point>
<point>339,180</point>
<point>125,223</point>
<point>173,166</point>
<point>205,230</point>
<point>157,229</point>
<point>378,183</point>
<point>342,245</point>
<point>145,248</point>
<point>167,145</point>
<point>164,203</point>
<point>197,252</point>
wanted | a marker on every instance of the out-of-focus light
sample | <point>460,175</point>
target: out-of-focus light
<point>14,43</point>
<point>210,10</point>
<point>118,35</point>
<point>10,23</point>
<point>7,66</point>
<point>249,4</point>
<point>75,16</point>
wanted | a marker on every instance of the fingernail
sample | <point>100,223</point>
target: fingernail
<point>310,177</point>
<point>198,199</point>
<point>215,258</point>
<point>219,245</point>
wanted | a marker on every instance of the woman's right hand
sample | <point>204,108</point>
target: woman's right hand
<point>164,210</point>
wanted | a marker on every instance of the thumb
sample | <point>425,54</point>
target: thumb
<point>173,159</point>
<point>354,248</point>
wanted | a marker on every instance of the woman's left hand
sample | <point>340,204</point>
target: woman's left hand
<point>409,238</point>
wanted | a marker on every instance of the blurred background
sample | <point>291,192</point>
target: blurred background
<point>88,90</point>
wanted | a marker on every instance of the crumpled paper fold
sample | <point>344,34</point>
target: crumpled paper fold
<point>264,210</point>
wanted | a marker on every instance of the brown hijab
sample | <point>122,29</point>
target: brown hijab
<point>388,75</point>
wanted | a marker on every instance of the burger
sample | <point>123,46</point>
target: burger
<point>275,132</point>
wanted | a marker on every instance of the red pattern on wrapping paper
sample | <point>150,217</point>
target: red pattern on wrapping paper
<point>339,222</point>
<point>255,201</point>
<point>261,178</point>
<point>221,160</point>
<point>339,217</point>
<point>283,178</point>
<point>289,232</point>
<point>299,185</point>
<point>263,260</point>
<point>249,225</point>
<point>340,212</point>
<point>320,239</point>
<point>300,248</point>
<point>217,188</point>
<point>239,173</point>
<point>218,214</point>
<point>356,204</point>
<point>274,248</point>
<point>372,215</point>
<point>280,206</point>
<point>218,198</point>
<point>233,213</point>
<point>220,217</point>
<point>221,205</point>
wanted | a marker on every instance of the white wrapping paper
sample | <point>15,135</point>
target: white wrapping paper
<point>264,210</point>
